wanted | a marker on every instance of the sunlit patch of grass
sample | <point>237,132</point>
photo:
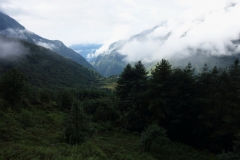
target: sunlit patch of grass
<point>110,85</point>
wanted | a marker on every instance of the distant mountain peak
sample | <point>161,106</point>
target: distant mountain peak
<point>8,22</point>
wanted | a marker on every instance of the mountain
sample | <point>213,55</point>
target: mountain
<point>8,22</point>
<point>43,67</point>
<point>177,46</point>
<point>109,64</point>
<point>11,28</point>
<point>112,61</point>
<point>86,50</point>
<point>210,36</point>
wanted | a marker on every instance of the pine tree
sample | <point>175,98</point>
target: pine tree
<point>159,89</point>
<point>131,88</point>
<point>77,126</point>
<point>125,82</point>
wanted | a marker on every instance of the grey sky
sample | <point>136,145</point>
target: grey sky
<point>105,21</point>
<point>208,29</point>
<point>91,21</point>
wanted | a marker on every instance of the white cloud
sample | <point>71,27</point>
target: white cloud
<point>211,31</point>
<point>198,24</point>
<point>46,45</point>
<point>15,33</point>
<point>11,50</point>
<point>80,21</point>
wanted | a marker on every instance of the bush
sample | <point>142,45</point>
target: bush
<point>153,134</point>
<point>77,126</point>
<point>12,85</point>
<point>66,99</point>
<point>235,155</point>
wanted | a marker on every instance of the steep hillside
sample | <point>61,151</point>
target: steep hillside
<point>42,66</point>
<point>11,28</point>
<point>109,64</point>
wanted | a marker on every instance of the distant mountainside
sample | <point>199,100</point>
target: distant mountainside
<point>86,50</point>
<point>112,61</point>
<point>11,28</point>
<point>109,64</point>
<point>43,67</point>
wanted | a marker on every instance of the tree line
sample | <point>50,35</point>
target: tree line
<point>198,109</point>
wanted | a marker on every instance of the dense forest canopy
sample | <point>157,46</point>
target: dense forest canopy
<point>159,108</point>
<point>201,110</point>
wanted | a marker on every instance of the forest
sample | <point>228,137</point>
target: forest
<point>167,113</point>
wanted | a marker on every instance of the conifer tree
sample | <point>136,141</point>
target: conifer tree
<point>76,125</point>
<point>131,88</point>
<point>158,91</point>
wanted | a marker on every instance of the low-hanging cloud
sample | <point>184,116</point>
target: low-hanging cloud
<point>211,32</point>
<point>15,33</point>
<point>46,45</point>
<point>11,50</point>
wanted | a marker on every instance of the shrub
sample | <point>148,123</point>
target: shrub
<point>12,85</point>
<point>77,126</point>
<point>26,118</point>
<point>235,155</point>
<point>153,134</point>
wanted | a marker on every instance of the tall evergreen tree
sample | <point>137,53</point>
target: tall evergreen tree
<point>159,86</point>
<point>125,82</point>
<point>131,88</point>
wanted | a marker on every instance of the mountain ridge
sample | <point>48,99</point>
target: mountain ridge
<point>45,68</point>
<point>151,37</point>
<point>11,28</point>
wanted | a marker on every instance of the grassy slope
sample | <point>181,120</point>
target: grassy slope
<point>35,132</point>
<point>109,82</point>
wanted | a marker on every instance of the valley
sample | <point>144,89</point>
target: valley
<point>136,99</point>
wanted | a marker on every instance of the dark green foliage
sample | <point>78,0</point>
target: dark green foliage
<point>66,99</point>
<point>25,118</point>
<point>44,96</point>
<point>131,89</point>
<point>77,126</point>
<point>159,86</point>
<point>235,155</point>
<point>125,82</point>
<point>91,93</point>
<point>153,134</point>
<point>201,110</point>
<point>12,85</point>
<point>7,127</point>
<point>105,111</point>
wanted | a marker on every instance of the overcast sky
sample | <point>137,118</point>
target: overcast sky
<point>101,21</point>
